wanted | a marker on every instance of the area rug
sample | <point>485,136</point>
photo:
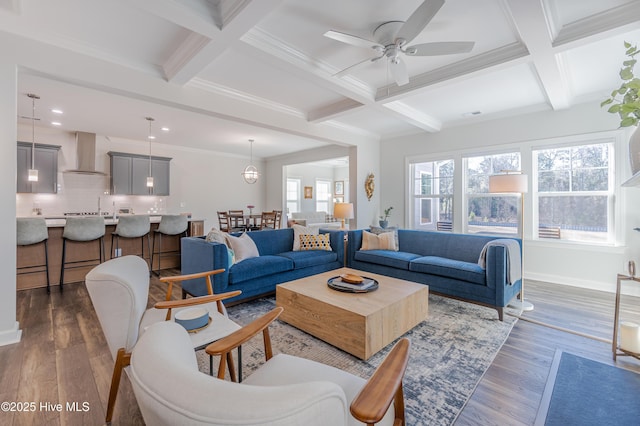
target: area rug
<point>450,351</point>
<point>584,392</point>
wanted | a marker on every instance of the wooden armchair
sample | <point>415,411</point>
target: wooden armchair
<point>370,405</point>
<point>286,390</point>
<point>119,290</point>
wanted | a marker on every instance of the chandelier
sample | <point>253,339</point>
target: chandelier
<point>250,173</point>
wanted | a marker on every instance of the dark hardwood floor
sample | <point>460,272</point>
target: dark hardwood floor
<point>63,357</point>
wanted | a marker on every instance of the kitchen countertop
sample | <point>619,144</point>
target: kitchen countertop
<point>60,221</point>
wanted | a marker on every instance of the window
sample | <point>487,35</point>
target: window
<point>323,195</point>
<point>432,195</point>
<point>574,194</point>
<point>491,213</point>
<point>293,195</point>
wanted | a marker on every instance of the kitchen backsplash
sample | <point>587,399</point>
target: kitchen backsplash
<point>82,193</point>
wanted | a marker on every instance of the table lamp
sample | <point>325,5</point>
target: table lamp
<point>343,211</point>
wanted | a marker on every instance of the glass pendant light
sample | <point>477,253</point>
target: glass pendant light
<point>250,173</point>
<point>33,173</point>
<point>150,137</point>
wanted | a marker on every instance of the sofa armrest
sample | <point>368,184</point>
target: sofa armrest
<point>198,255</point>
<point>497,275</point>
<point>353,245</point>
<point>336,238</point>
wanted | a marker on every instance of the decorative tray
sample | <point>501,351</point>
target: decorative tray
<point>367,285</point>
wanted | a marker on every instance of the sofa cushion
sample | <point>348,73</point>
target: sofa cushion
<point>302,230</point>
<point>434,265</point>
<point>256,267</point>
<point>315,242</point>
<point>395,259</point>
<point>243,247</point>
<point>382,241</point>
<point>305,259</point>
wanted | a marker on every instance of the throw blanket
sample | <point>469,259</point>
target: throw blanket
<point>514,263</point>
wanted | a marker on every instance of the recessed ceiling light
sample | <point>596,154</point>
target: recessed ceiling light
<point>151,137</point>
<point>56,111</point>
<point>165,129</point>
<point>56,123</point>
<point>471,114</point>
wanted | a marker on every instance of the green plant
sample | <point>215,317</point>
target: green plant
<point>626,100</point>
<point>387,213</point>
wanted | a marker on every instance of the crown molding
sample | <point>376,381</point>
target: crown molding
<point>181,56</point>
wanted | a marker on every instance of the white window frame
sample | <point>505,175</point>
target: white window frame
<point>416,199</point>
<point>296,200</point>
<point>325,200</point>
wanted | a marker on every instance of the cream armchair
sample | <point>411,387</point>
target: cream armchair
<point>119,290</point>
<point>286,390</point>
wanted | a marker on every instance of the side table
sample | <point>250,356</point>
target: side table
<point>618,351</point>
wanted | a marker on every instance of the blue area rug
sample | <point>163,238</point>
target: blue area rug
<point>584,392</point>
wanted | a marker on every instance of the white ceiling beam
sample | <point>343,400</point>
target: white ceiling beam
<point>214,28</point>
<point>334,110</point>
<point>413,116</point>
<point>531,22</point>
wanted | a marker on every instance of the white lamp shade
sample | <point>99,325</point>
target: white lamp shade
<point>343,210</point>
<point>33,175</point>
<point>508,183</point>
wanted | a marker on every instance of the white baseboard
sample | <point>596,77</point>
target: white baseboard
<point>610,287</point>
<point>11,336</point>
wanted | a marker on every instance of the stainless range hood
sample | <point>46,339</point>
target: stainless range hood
<point>86,155</point>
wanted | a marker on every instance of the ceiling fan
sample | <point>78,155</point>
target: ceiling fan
<point>391,40</point>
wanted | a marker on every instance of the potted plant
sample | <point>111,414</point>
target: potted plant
<point>625,101</point>
<point>383,219</point>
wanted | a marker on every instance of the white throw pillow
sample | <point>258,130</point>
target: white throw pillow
<point>216,236</point>
<point>302,230</point>
<point>243,247</point>
<point>384,241</point>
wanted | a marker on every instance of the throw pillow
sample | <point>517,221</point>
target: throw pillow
<point>216,236</point>
<point>302,230</point>
<point>376,230</point>
<point>315,242</point>
<point>384,241</point>
<point>243,247</point>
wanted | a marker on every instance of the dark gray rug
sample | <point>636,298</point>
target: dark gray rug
<point>450,351</point>
<point>584,392</point>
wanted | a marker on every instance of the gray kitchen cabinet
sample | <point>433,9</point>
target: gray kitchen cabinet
<point>45,161</point>
<point>129,174</point>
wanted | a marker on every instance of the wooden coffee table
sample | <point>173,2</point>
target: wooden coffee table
<point>358,323</point>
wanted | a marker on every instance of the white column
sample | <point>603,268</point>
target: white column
<point>9,328</point>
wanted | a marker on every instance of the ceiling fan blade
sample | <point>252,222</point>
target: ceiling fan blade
<point>399,71</point>
<point>439,48</point>
<point>355,66</point>
<point>419,19</point>
<point>352,40</point>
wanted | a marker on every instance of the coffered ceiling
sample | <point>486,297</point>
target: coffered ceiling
<point>219,72</point>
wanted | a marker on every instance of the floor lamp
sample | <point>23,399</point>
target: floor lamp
<point>514,182</point>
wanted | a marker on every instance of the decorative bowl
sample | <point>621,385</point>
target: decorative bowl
<point>351,278</point>
<point>192,318</point>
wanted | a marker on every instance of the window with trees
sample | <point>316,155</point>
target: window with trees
<point>293,195</point>
<point>575,192</point>
<point>489,213</point>
<point>432,199</point>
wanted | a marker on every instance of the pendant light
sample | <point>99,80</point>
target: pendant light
<point>250,173</point>
<point>150,137</point>
<point>33,173</point>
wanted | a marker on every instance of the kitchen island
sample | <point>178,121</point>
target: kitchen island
<point>88,251</point>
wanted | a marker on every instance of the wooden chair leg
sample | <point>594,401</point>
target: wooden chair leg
<point>123,359</point>
<point>232,367</point>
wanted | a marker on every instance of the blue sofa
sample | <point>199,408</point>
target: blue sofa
<point>257,276</point>
<point>447,262</point>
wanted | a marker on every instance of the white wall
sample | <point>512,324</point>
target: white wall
<point>561,262</point>
<point>9,328</point>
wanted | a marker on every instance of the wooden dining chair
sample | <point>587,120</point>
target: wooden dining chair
<point>278,218</point>
<point>236,217</point>
<point>268,220</point>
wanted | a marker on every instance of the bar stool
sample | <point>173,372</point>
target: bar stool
<point>134,226</point>
<point>170,225</point>
<point>81,229</point>
<point>30,231</point>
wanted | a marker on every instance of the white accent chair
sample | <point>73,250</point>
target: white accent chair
<point>119,290</point>
<point>286,390</point>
